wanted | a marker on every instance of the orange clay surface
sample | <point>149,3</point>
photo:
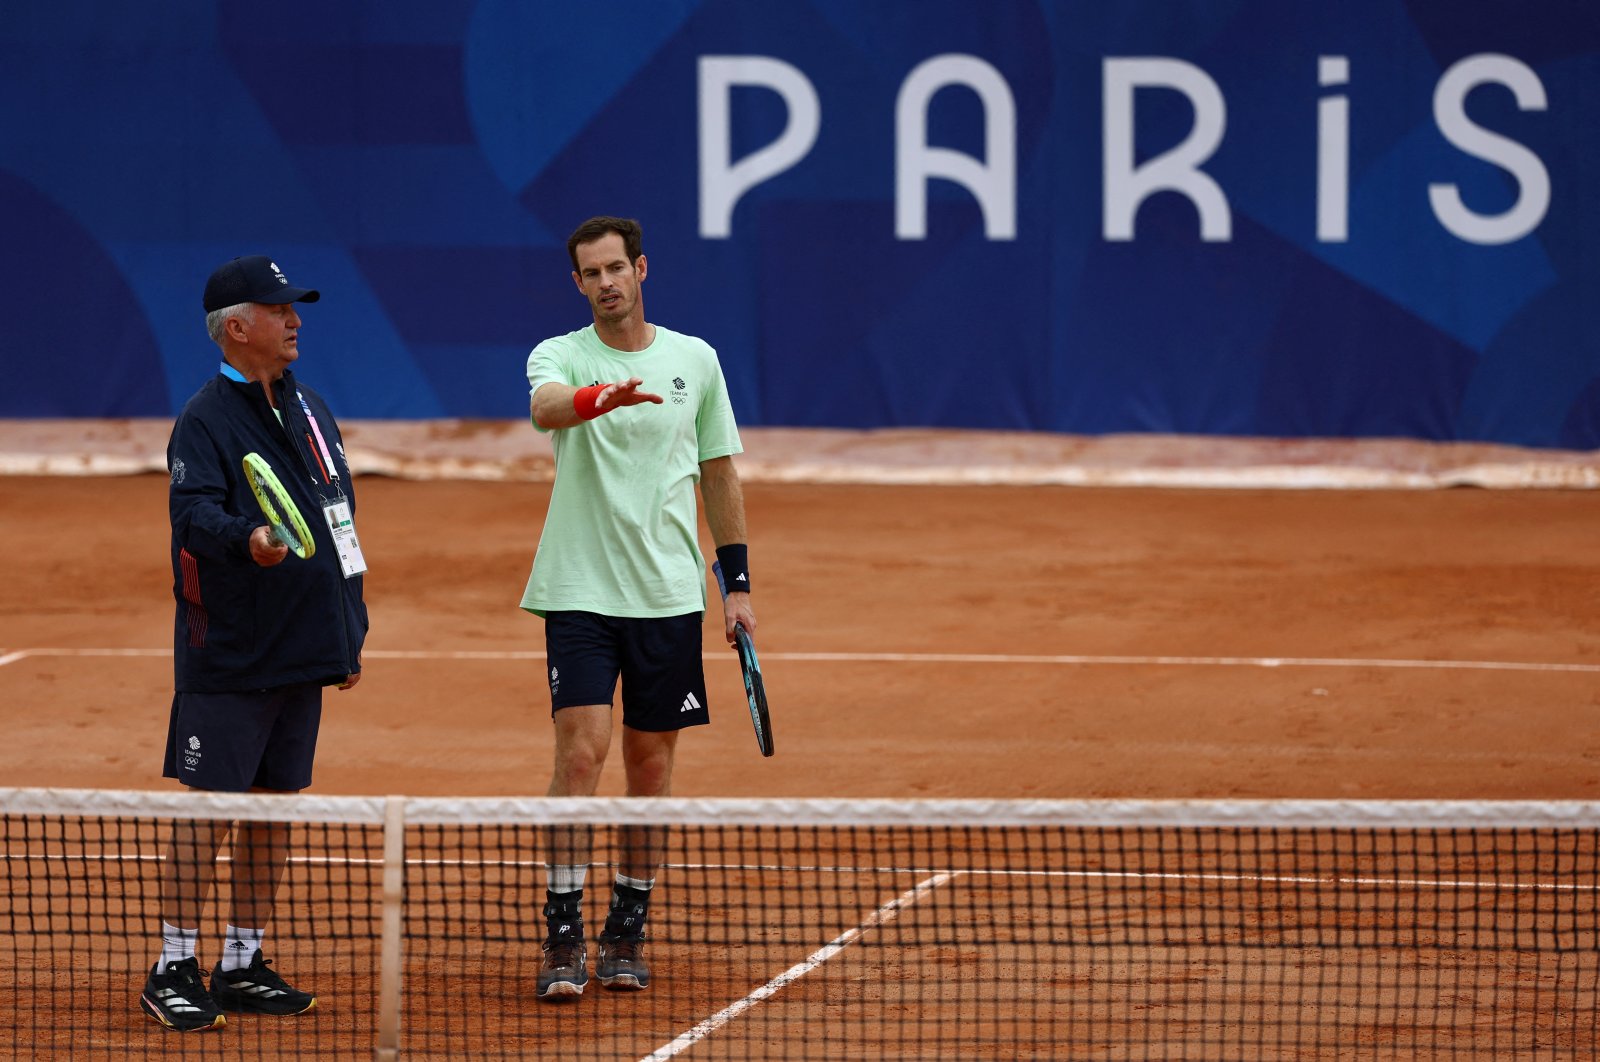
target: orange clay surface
<point>917,642</point>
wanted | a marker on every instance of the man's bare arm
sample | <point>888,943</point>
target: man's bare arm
<point>552,406</point>
<point>724,499</point>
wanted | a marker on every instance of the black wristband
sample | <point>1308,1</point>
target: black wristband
<point>735,561</point>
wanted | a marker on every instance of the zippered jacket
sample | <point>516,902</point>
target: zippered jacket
<point>240,626</point>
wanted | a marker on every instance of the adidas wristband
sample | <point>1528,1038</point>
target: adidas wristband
<point>735,561</point>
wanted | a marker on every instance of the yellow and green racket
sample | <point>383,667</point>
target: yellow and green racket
<point>283,516</point>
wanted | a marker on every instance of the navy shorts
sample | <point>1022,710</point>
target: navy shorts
<point>234,742</point>
<point>658,660</point>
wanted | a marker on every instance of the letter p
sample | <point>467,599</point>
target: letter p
<point>722,181</point>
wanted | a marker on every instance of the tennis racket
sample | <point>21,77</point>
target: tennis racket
<point>754,690</point>
<point>283,516</point>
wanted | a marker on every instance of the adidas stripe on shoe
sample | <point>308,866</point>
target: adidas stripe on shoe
<point>177,998</point>
<point>258,989</point>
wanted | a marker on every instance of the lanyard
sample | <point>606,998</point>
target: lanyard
<point>330,471</point>
<point>317,446</point>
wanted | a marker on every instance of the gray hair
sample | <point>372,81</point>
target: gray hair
<point>216,320</point>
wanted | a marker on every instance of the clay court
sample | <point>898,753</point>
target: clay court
<point>950,641</point>
<point>918,641</point>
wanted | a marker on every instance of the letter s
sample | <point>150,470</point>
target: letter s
<point>1449,112</point>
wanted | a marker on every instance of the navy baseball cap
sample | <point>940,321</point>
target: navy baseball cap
<point>252,278</point>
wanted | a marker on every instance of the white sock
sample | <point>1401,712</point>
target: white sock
<point>560,878</point>
<point>176,945</point>
<point>239,946</point>
<point>642,884</point>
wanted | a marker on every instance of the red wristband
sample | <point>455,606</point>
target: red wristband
<point>584,402</point>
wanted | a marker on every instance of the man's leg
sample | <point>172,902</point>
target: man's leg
<point>244,979</point>
<point>583,737</point>
<point>186,877</point>
<point>648,758</point>
<point>260,856</point>
<point>174,994</point>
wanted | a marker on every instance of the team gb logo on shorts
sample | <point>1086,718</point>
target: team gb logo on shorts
<point>194,743</point>
<point>179,470</point>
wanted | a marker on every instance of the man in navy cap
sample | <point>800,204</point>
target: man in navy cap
<point>257,635</point>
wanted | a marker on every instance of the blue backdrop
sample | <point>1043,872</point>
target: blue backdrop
<point>1377,217</point>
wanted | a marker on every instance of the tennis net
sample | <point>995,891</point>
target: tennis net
<point>820,929</point>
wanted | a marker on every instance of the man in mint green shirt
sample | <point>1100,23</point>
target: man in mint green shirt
<point>619,578</point>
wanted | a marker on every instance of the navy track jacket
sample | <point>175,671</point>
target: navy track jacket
<point>240,626</point>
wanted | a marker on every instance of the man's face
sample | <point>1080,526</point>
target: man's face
<point>273,337</point>
<point>607,279</point>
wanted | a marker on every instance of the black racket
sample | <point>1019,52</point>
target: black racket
<point>754,690</point>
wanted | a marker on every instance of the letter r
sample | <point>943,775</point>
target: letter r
<point>1178,170</point>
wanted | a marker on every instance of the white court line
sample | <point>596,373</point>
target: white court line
<point>1181,661</point>
<point>883,914</point>
<point>925,658</point>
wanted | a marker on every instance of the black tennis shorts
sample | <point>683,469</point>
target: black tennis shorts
<point>233,742</point>
<point>658,660</point>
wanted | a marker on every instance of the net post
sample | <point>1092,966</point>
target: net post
<point>394,872</point>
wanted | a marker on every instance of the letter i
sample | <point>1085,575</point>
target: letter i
<point>1333,152</point>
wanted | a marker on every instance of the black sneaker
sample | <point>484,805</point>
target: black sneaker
<point>178,999</point>
<point>622,962</point>
<point>257,988</point>
<point>564,970</point>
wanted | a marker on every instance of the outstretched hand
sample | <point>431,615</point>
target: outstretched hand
<point>624,393</point>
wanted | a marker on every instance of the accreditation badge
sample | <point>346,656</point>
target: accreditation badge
<point>343,525</point>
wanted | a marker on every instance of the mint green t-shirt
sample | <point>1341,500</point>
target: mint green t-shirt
<point>620,537</point>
